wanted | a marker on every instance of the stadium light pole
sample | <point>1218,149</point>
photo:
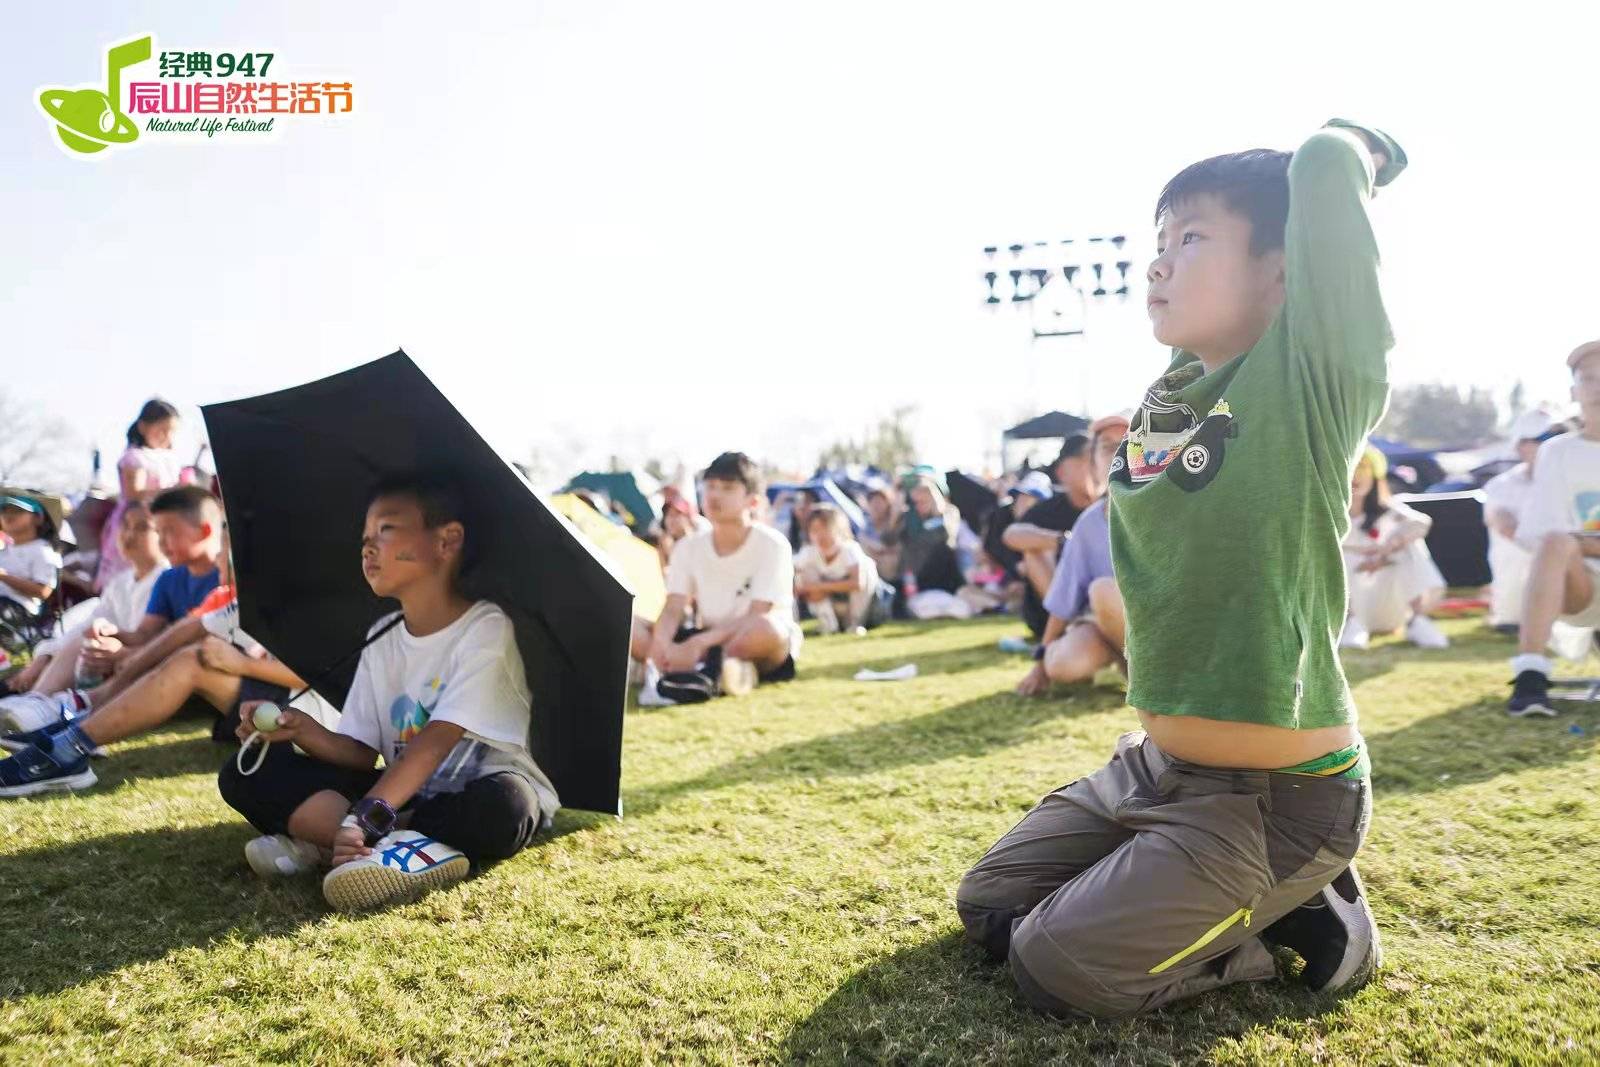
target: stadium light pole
<point>1055,283</point>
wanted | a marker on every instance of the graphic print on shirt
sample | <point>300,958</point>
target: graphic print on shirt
<point>409,716</point>
<point>1587,507</point>
<point>1167,430</point>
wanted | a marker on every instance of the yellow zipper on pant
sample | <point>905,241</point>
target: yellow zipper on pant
<point>1205,939</point>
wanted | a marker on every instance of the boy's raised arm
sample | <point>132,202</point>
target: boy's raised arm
<point>1334,308</point>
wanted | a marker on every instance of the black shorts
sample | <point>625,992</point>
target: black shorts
<point>492,819</point>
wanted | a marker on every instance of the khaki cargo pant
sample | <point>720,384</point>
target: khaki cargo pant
<point>1150,879</point>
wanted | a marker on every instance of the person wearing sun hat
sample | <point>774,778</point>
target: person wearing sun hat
<point>1560,525</point>
<point>30,565</point>
<point>1503,498</point>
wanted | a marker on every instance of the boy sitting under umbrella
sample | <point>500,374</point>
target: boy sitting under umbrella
<point>440,693</point>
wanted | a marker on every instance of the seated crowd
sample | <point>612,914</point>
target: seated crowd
<point>428,759</point>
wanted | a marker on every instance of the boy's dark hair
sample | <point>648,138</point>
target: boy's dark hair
<point>735,467</point>
<point>154,410</point>
<point>1073,447</point>
<point>440,500</point>
<point>832,517</point>
<point>1254,184</point>
<point>192,502</point>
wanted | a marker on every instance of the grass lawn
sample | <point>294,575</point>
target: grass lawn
<point>781,889</point>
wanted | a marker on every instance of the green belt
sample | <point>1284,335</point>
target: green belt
<point>1348,762</point>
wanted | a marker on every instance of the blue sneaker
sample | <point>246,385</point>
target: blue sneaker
<point>33,770</point>
<point>41,737</point>
<point>18,742</point>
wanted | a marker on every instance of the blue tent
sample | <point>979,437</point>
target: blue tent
<point>622,487</point>
<point>828,492</point>
<point>1422,461</point>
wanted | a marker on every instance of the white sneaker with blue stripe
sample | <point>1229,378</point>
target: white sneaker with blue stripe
<point>403,865</point>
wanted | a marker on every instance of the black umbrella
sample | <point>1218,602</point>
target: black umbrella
<point>295,467</point>
<point>975,500</point>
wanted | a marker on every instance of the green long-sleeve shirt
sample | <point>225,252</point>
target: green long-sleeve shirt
<point>1231,493</point>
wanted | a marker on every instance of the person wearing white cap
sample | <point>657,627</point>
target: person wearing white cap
<point>1503,498</point>
<point>1560,525</point>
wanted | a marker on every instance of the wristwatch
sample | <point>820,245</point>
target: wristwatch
<point>373,817</point>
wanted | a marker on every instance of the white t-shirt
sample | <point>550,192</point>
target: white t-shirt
<point>724,587</point>
<point>123,600</point>
<point>848,555</point>
<point>1508,491</point>
<point>37,561</point>
<point>1396,514</point>
<point>1565,497</point>
<point>470,674</point>
<point>121,603</point>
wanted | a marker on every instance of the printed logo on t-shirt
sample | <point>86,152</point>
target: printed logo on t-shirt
<point>408,716</point>
<point>1168,437</point>
<point>1587,506</point>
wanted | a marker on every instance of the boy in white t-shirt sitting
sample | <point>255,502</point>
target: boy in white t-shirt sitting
<point>441,695</point>
<point>739,578</point>
<point>834,577</point>
<point>1560,525</point>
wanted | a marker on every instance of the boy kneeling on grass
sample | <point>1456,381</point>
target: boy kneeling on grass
<point>441,695</point>
<point>1226,828</point>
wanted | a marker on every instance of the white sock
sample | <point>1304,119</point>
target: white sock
<point>1531,661</point>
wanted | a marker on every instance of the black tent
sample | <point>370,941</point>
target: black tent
<point>1055,425</point>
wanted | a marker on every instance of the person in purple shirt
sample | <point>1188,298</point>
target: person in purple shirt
<point>1086,626</point>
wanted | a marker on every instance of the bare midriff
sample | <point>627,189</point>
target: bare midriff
<point>1245,745</point>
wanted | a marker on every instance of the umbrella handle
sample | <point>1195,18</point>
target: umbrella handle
<point>260,756</point>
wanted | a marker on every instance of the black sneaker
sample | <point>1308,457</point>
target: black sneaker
<point>687,687</point>
<point>783,672</point>
<point>696,686</point>
<point>1335,934</point>
<point>1530,695</point>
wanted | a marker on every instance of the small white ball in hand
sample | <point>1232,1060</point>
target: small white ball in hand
<point>266,717</point>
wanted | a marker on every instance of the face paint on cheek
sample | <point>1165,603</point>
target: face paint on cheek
<point>405,557</point>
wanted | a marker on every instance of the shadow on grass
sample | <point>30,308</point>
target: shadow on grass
<point>81,909</point>
<point>970,728</point>
<point>1474,743</point>
<point>78,910</point>
<point>942,1001</point>
<point>179,753</point>
<point>1361,665</point>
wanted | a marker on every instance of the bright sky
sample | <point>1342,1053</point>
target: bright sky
<point>665,229</point>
